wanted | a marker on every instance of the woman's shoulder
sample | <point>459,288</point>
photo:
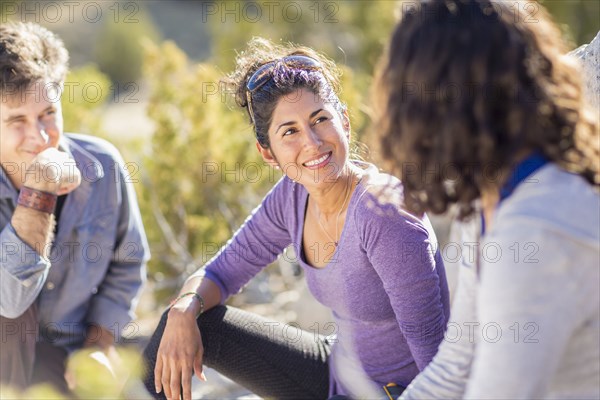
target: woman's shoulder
<point>284,194</point>
<point>554,199</point>
<point>385,187</point>
<point>381,196</point>
<point>284,189</point>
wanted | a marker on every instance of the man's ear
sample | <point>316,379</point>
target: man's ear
<point>267,155</point>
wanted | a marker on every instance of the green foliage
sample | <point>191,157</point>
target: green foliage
<point>203,174</point>
<point>118,51</point>
<point>579,19</point>
<point>99,375</point>
<point>42,391</point>
<point>86,91</point>
<point>352,33</point>
<point>7,10</point>
<point>92,375</point>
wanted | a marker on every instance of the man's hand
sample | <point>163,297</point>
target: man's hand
<point>99,350</point>
<point>53,171</point>
<point>98,336</point>
<point>106,360</point>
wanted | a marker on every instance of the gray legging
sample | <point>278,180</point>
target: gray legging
<point>270,359</point>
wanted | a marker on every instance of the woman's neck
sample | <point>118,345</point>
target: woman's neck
<point>489,201</point>
<point>331,199</point>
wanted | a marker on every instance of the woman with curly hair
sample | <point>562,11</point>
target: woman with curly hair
<point>370,262</point>
<point>479,107</point>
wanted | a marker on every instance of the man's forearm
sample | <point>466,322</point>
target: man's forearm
<point>51,173</point>
<point>34,227</point>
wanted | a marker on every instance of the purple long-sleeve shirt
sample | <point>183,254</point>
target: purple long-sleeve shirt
<point>385,284</point>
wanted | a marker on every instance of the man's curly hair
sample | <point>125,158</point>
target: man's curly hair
<point>466,89</point>
<point>29,54</point>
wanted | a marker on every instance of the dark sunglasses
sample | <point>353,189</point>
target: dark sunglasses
<point>263,75</point>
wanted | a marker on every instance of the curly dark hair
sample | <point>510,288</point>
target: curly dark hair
<point>30,53</point>
<point>283,80</point>
<point>466,89</point>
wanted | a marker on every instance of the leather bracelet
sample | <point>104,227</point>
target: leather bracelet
<point>37,200</point>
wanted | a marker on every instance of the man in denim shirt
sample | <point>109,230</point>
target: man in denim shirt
<point>73,249</point>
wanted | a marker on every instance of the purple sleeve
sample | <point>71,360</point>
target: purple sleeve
<point>401,250</point>
<point>256,244</point>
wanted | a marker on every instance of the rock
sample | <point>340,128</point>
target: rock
<point>218,386</point>
<point>589,54</point>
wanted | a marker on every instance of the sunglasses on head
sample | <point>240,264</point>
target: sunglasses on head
<point>263,75</point>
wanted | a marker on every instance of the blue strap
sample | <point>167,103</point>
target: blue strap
<point>482,224</point>
<point>520,172</point>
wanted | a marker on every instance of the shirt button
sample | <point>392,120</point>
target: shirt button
<point>94,290</point>
<point>49,285</point>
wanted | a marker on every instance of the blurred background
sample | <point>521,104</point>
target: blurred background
<point>145,75</point>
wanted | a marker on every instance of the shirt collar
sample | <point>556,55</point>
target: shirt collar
<point>518,174</point>
<point>522,171</point>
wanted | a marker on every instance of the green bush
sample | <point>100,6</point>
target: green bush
<point>118,51</point>
<point>86,91</point>
<point>203,174</point>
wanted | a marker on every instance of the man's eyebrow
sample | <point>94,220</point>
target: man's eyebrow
<point>18,116</point>
<point>13,117</point>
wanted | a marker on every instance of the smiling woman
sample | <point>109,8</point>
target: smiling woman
<point>371,262</point>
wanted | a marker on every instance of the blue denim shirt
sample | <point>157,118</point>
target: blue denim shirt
<point>96,265</point>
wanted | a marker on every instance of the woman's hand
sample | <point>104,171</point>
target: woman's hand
<point>179,352</point>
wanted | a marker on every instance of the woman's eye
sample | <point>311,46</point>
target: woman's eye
<point>320,119</point>
<point>289,132</point>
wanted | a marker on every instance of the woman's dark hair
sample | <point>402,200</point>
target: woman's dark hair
<point>466,89</point>
<point>283,81</point>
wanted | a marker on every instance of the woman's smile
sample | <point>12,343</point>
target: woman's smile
<point>318,162</point>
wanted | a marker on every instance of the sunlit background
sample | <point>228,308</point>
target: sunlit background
<point>145,75</point>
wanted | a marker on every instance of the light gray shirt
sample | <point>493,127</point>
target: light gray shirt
<point>528,326</point>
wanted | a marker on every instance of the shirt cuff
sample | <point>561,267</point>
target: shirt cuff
<point>19,259</point>
<point>217,281</point>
